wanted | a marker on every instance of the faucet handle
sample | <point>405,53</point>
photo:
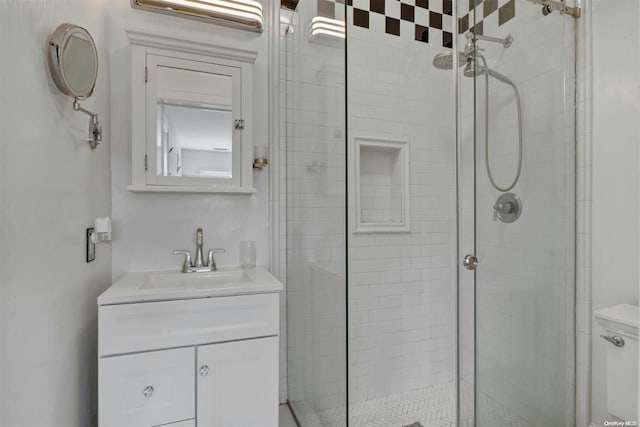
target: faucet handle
<point>212,262</point>
<point>187,259</point>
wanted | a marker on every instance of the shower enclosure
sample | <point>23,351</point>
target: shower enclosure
<point>429,203</point>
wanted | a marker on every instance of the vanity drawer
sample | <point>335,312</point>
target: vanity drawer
<point>185,423</point>
<point>129,328</point>
<point>147,389</point>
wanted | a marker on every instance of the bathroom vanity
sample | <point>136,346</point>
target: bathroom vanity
<point>185,349</point>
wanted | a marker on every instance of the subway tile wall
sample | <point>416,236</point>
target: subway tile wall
<point>402,285</point>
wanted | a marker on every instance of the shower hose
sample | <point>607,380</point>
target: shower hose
<point>486,128</point>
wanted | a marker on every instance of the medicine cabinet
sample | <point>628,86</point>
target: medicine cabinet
<point>191,116</point>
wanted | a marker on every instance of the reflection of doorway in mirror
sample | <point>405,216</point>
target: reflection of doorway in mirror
<point>197,147</point>
<point>194,140</point>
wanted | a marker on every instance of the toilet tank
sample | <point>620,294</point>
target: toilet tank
<point>620,338</point>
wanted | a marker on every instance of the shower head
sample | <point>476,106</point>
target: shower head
<point>444,60</point>
<point>473,68</point>
<point>473,62</point>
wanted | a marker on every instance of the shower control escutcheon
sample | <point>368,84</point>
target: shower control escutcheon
<point>470,262</point>
<point>508,208</point>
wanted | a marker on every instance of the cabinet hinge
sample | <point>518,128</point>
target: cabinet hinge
<point>239,124</point>
<point>146,160</point>
<point>146,74</point>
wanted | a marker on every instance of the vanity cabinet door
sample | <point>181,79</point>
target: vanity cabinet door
<point>238,384</point>
<point>147,389</point>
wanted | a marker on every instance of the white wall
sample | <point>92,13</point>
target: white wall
<point>616,71</point>
<point>148,226</point>
<point>52,187</point>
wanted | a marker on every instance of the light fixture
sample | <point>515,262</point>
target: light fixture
<point>326,28</point>
<point>246,14</point>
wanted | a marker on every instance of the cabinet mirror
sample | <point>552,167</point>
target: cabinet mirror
<point>195,124</point>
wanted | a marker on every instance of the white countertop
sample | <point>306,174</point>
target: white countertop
<point>173,285</point>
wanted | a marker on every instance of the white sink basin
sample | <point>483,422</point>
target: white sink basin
<point>211,279</point>
<point>171,285</point>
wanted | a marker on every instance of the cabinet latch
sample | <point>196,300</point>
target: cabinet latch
<point>239,124</point>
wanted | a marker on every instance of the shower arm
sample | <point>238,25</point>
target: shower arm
<point>549,6</point>
<point>505,42</point>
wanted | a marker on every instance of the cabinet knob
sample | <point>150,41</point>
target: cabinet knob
<point>148,391</point>
<point>204,370</point>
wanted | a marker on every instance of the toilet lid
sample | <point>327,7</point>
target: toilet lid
<point>623,314</point>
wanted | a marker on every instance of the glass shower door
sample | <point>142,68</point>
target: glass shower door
<point>516,160</point>
<point>313,107</point>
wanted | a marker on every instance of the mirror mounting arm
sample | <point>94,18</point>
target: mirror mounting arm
<point>95,128</point>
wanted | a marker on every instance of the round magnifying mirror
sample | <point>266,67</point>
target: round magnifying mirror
<point>73,60</point>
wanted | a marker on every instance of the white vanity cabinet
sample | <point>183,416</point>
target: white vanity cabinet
<point>236,383</point>
<point>147,389</point>
<point>207,361</point>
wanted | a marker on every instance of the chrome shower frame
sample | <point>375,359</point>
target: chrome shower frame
<point>549,6</point>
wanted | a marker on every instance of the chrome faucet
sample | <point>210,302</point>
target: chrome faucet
<point>199,239</point>
<point>199,265</point>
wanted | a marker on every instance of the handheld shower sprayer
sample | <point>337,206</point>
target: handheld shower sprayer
<point>475,65</point>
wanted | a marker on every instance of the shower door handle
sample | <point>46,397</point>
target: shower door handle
<point>470,262</point>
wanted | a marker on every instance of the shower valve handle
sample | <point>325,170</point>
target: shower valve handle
<point>507,208</point>
<point>496,208</point>
<point>502,208</point>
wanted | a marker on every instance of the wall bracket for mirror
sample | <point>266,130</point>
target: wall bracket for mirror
<point>95,128</point>
<point>73,63</point>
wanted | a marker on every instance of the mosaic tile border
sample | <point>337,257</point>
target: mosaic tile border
<point>425,15</point>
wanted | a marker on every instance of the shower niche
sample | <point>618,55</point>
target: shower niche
<point>381,185</point>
